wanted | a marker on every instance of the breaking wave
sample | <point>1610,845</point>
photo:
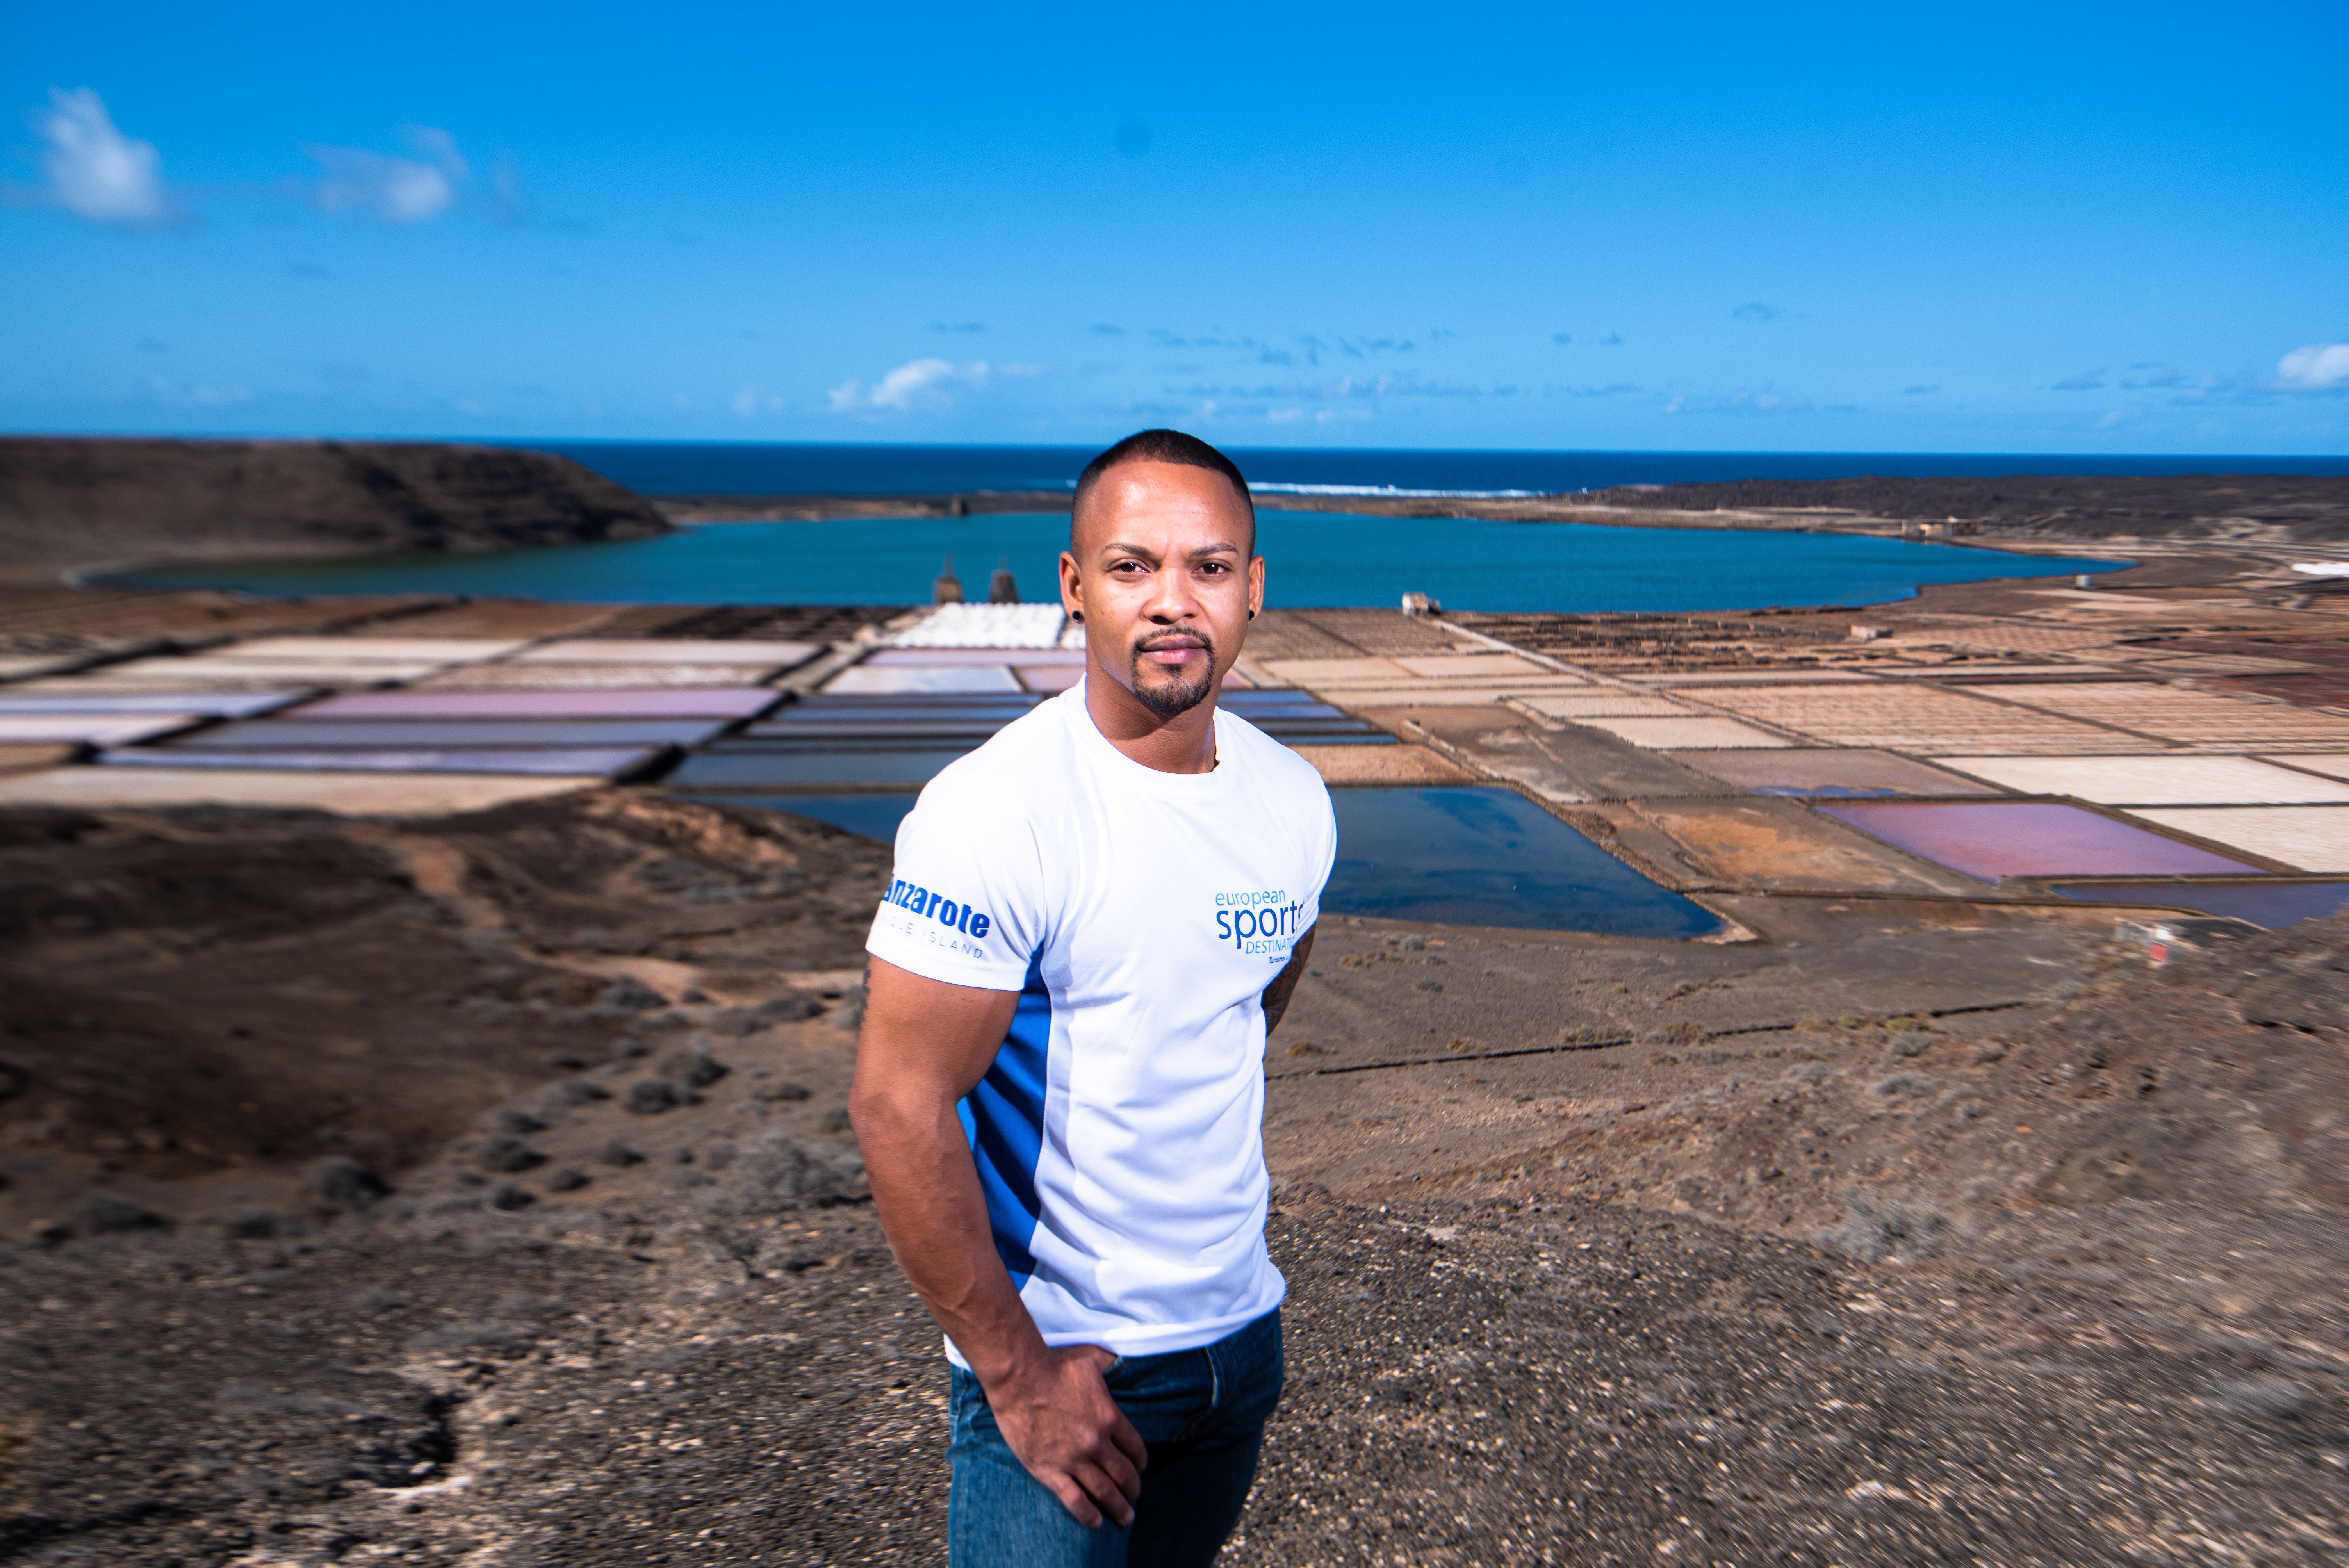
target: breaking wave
<point>1261,488</point>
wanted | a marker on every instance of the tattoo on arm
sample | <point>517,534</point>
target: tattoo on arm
<point>1276,995</point>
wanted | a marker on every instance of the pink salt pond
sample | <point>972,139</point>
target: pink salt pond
<point>2030,839</point>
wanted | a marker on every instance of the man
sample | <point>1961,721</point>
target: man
<point>1097,918</point>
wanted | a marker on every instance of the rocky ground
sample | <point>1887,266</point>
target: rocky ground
<point>1492,1383</point>
<point>478,1192</point>
<point>2294,507</point>
<point>204,1004</point>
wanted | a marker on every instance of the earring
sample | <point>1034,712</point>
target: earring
<point>1078,617</point>
<point>1251,615</point>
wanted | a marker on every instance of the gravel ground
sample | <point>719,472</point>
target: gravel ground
<point>1597,1385</point>
<point>1487,1385</point>
<point>1803,1274</point>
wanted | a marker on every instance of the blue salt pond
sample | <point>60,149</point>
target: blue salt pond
<point>1490,857</point>
<point>874,815</point>
<point>2271,905</point>
<point>1446,856</point>
<point>743,764</point>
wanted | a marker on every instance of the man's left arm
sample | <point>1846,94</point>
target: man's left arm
<point>1276,995</point>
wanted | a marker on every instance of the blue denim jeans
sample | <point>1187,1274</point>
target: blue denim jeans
<point>1201,1414</point>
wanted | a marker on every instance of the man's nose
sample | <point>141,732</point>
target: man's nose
<point>1170,596</point>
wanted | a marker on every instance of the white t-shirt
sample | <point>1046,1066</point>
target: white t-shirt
<point>1119,1134</point>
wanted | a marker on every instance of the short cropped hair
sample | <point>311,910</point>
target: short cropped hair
<point>1164,447</point>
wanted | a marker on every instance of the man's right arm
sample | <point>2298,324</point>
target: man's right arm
<point>925,1043</point>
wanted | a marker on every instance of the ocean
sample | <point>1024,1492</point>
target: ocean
<point>708,468</point>
<point>1313,559</point>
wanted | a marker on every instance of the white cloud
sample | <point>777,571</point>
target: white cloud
<point>916,384</point>
<point>1764,403</point>
<point>2318,367</point>
<point>392,189</point>
<point>96,172</point>
<point>439,146</point>
<point>922,380</point>
<point>1322,416</point>
<point>102,176</point>
<point>754,399</point>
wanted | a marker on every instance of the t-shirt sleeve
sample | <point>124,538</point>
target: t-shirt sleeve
<point>965,896</point>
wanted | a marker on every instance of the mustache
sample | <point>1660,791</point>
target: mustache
<point>1157,640</point>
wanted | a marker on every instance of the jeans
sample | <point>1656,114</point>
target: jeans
<point>1201,1414</point>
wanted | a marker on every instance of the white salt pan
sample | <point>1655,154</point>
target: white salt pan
<point>2312,838</point>
<point>2172,780</point>
<point>88,729</point>
<point>985,627</point>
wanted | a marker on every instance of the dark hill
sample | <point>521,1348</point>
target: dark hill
<point>2284,507</point>
<point>78,502</point>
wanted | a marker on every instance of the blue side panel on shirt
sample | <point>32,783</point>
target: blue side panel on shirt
<point>1004,1118</point>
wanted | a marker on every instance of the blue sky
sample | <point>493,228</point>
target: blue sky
<point>1961,228</point>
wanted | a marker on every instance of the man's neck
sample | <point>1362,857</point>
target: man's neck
<point>1183,743</point>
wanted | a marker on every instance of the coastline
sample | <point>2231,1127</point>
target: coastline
<point>490,499</point>
<point>2236,508</point>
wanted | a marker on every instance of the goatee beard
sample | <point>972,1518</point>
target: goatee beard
<point>1177,695</point>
